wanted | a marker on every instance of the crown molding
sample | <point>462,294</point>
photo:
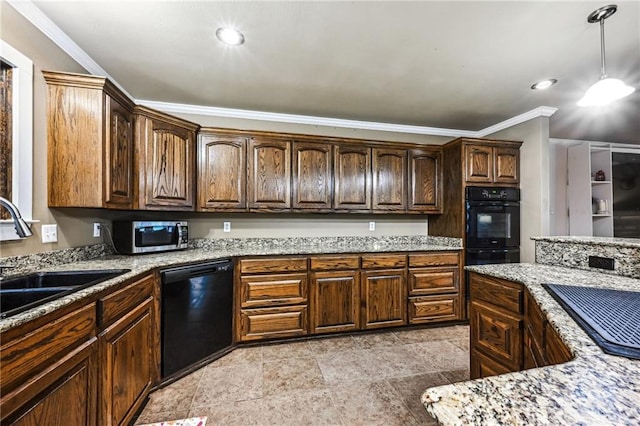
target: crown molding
<point>34,15</point>
<point>304,119</point>
<point>542,111</point>
<point>42,22</point>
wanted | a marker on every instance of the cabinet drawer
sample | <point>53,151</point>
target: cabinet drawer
<point>434,259</point>
<point>433,281</point>
<point>257,266</point>
<point>332,263</point>
<point>113,306</point>
<point>505,294</point>
<point>269,290</point>
<point>384,261</point>
<point>497,334</point>
<point>32,353</point>
<point>428,309</point>
<point>266,323</point>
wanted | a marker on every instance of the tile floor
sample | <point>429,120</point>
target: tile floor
<point>360,379</point>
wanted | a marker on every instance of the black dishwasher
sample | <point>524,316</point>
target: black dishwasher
<point>196,313</point>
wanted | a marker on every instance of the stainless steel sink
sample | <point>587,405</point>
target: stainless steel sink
<point>28,291</point>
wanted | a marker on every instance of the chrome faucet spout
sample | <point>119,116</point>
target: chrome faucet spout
<point>22,228</point>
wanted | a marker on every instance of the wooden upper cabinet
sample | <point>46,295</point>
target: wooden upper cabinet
<point>352,177</point>
<point>389,170</point>
<point>506,165</point>
<point>165,148</point>
<point>312,169</point>
<point>269,174</point>
<point>222,172</point>
<point>425,181</point>
<point>492,163</point>
<point>90,141</point>
<point>479,163</point>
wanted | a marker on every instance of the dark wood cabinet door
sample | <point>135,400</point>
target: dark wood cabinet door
<point>506,162</point>
<point>389,170</point>
<point>66,394</point>
<point>425,181</point>
<point>497,334</point>
<point>312,167</point>
<point>127,364</point>
<point>269,174</point>
<point>479,163</point>
<point>352,178</point>
<point>384,298</point>
<point>335,301</point>
<point>484,366</point>
<point>167,171</point>
<point>222,172</point>
<point>119,145</point>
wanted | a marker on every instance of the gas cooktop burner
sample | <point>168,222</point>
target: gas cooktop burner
<point>610,317</point>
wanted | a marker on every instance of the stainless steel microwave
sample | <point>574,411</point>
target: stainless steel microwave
<point>137,237</point>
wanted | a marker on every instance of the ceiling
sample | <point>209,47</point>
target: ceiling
<point>447,64</point>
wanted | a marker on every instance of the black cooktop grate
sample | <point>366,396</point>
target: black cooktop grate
<point>610,317</point>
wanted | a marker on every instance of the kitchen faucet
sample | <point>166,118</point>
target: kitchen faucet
<point>22,228</point>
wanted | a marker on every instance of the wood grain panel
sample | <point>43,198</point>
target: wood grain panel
<point>483,366</point>
<point>352,178</point>
<point>28,355</point>
<point>319,263</point>
<point>389,172</point>
<point>114,305</point>
<point>372,261</point>
<point>384,294</point>
<point>556,352</point>
<point>507,165</point>
<point>504,294</point>
<point>6,135</point>
<point>425,181</point>
<point>222,172</point>
<point>428,309</point>
<point>451,223</point>
<point>270,290</point>
<point>335,302</point>
<point>278,264</point>
<point>497,334</point>
<point>436,258</point>
<point>119,147</point>
<point>312,173</point>
<point>270,323</point>
<point>479,163</point>
<point>433,281</point>
<point>269,174</point>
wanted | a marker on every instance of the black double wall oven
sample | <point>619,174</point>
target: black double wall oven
<point>493,226</point>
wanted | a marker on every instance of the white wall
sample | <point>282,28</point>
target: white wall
<point>534,181</point>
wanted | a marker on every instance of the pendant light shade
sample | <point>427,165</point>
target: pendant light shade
<point>607,89</point>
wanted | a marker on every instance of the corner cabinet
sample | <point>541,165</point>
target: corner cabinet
<point>165,161</point>
<point>90,139</point>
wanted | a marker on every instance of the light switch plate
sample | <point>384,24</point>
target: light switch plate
<point>49,233</point>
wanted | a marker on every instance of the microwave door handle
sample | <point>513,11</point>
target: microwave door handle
<point>179,231</point>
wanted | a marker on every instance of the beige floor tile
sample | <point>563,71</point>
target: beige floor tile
<point>307,407</point>
<point>239,413</point>
<point>421,335</point>
<point>442,355</point>
<point>175,397</point>
<point>146,418</point>
<point>239,356</point>
<point>411,389</point>
<point>228,384</point>
<point>376,340</point>
<point>286,350</point>
<point>461,343</point>
<point>370,403</point>
<point>291,374</point>
<point>457,375</point>
<point>332,344</point>
<point>396,361</point>
<point>348,366</point>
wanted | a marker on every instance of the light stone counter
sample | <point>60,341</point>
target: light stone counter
<point>202,251</point>
<point>592,389</point>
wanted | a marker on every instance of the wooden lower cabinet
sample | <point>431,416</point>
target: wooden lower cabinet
<point>427,309</point>
<point>483,366</point>
<point>272,323</point>
<point>335,301</point>
<point>384,298</point>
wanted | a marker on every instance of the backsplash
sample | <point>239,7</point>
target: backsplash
<point>574,252</point>
<point>45,259</point>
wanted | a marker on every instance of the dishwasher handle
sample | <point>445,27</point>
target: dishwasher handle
<point>182,273</point>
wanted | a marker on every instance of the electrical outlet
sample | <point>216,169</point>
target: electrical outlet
<point>96,229</point>
<point>226,226</point>
<point>372,226</point>
<point>49,233</point>
<point>602,262</point>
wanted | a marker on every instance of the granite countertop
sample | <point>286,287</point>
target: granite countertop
<point>595,241</point>
<point>206,250</point>
<point>593,388</point>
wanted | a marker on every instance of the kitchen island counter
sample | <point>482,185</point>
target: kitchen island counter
<point>593,388</point>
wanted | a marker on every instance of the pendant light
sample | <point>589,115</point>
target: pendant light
<point>607,89</point>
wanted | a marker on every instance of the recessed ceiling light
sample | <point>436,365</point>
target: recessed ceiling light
<point>544,84</point>
<point>230,36</point>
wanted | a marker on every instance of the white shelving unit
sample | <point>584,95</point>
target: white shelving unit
<point>586,194</point>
